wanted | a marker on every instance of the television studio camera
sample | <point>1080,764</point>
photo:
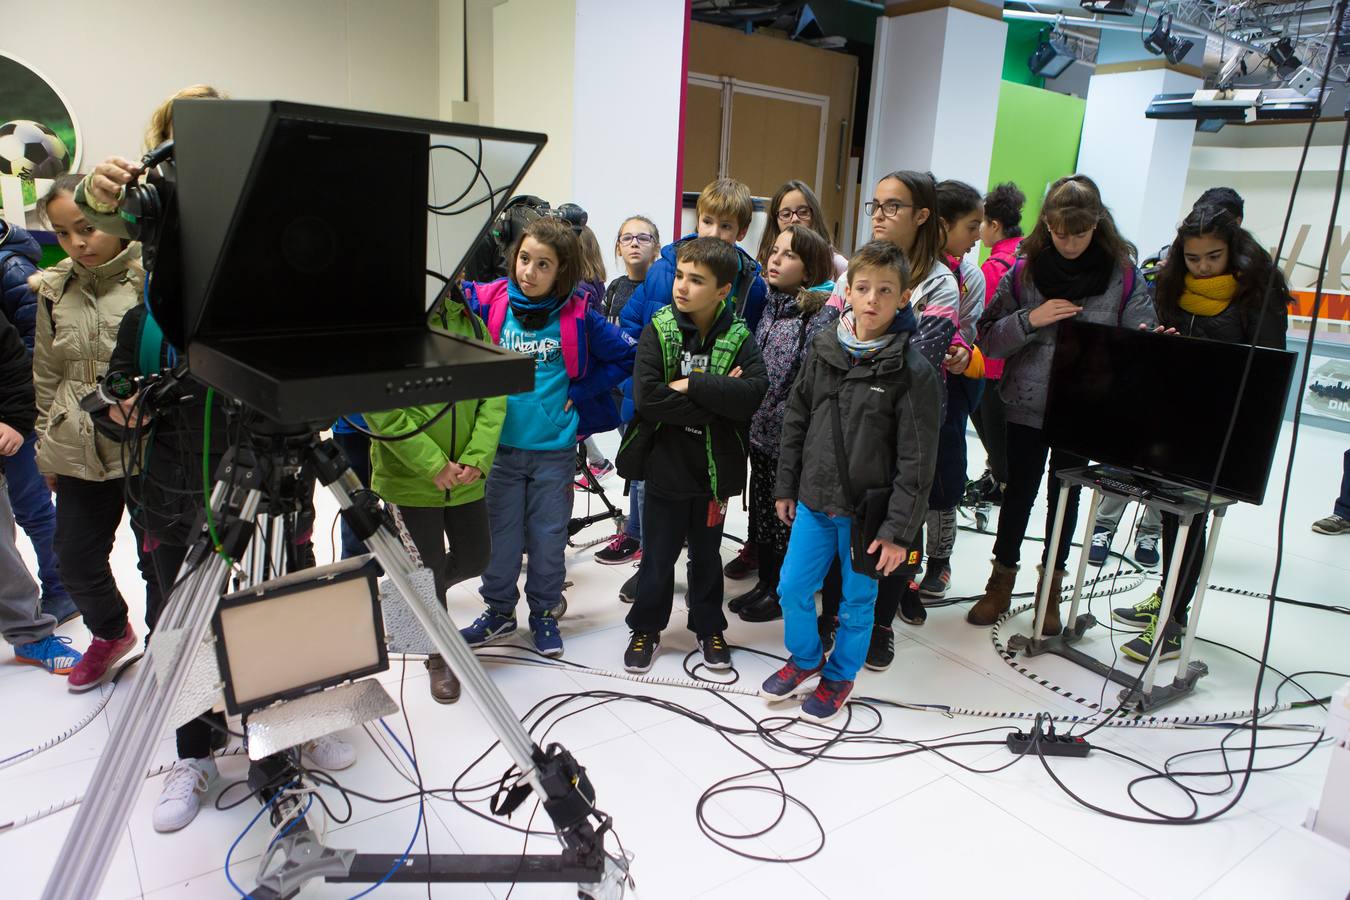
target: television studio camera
<point>258,276</point>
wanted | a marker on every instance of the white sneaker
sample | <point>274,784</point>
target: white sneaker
<point>181,797</point>
<point>330,752</point>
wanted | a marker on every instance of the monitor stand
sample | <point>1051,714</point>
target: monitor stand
<point>1140,693</point>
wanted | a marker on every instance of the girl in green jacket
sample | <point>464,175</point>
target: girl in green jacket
<point>435,480</point>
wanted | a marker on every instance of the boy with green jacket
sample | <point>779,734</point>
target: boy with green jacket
<point>435,480</point>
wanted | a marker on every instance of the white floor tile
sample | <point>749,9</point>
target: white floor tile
<point>1291,865</point>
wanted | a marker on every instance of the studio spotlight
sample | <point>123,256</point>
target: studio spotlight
<point>1161,41</point>
<point>1051,56</point>
<point>1281,56</point>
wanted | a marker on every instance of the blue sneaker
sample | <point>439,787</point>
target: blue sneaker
<point>828,701</point>
<point>487,628</point>
<point>788,682</point>
<point>53,653</point>
<point>547,638</point>
<point>1101,546</point>
<point>1146,551</point>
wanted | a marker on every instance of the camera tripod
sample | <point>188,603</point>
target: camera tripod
<point>268,455</point>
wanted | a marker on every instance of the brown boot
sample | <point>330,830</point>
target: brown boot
<point>1052,624</point>
<point>997,597</point>
<point>444,684</point>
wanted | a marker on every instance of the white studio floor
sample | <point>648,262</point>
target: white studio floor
<point>917,826</point>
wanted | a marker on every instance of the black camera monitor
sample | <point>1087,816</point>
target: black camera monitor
<point>1160,404</point>
<point>307,240</point>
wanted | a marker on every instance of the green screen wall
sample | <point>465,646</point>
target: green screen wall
<point>1035,141</point>
<point>1022,39</point>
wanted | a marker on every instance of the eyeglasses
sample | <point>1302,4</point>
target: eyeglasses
<point>802,213</point>
<point>641,239</point>
<point>889,208</point>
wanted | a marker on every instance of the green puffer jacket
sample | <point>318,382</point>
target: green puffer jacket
<point>402,471</point>
<point>79,312</point>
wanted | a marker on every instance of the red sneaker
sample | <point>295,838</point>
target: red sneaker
<point>93,668</point>
<point>745,564</point>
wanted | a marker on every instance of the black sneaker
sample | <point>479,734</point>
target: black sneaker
<point>622,548</point>
<point>881,652</point>
<point>936,580</point>
<point>628,593</point>
<point>642,647</point>
<point>716,653</point>
<point>911,610</point>
<point>1140,648</point>
<point>826,626</point>
<point>749,598</point>
<point>1142,614</point>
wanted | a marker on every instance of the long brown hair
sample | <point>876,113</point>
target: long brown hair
<point>557,235</point>
<point>817,266</point>
<point>1073,205</point>
<point>592,262</point>
<point>1248,262</point>
<point>930,240</point>
<point>160,128</point>
<point>772,229</point>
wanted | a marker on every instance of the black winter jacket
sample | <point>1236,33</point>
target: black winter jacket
<point>677,463</point>
<point>18,403</point>
<point>1232,326</point>
<point>169,484</point>
<point>891,410</point>
<point>19,256</point>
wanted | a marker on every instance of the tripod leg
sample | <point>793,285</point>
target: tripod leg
<point>117,780</point>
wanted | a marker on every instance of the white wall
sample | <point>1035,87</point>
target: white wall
<point>934,101</point>
<point>532,70</point>
<point>370,54</point>
<point>1264,176</point>
<point>1139,164</point>
<point>626,124</point>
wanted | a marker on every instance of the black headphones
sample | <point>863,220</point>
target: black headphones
<point>143,203</point>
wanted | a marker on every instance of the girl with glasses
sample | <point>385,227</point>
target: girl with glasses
<point>796,204</point>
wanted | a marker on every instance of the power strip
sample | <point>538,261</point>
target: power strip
<point>1020,743</point>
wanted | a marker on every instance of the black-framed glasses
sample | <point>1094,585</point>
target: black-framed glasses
<point>889,208</point>
<point>801,213</point>
<point>640,239</point>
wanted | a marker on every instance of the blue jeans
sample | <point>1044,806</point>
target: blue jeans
<point>35,513</point>
<point>529,503</point>
<point>636,490</point>
<point>816,541</point>
<point>357,448</point>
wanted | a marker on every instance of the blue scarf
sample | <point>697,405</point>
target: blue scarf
<point>860,350</point>
<point>531,312</point>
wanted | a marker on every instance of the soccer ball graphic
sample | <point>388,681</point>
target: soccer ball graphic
<point>31,150</point>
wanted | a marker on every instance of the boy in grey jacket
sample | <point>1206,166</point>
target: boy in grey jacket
<point>888,400</point>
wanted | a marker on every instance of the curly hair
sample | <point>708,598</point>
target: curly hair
<point>1004,205</point>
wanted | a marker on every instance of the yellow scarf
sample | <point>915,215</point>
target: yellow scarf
<point>1208,296</point>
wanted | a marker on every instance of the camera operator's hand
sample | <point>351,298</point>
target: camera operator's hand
<point>448,477</point>
<point>121,412</point>
<point>10,440</point>
<point>1052,311</point>
<point>109,178</point>
<point>1158,329</point>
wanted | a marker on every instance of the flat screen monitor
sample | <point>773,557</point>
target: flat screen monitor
<point>1160,405</point>
<point>299,634</point>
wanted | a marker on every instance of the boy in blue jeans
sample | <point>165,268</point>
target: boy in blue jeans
<point>888,400</point>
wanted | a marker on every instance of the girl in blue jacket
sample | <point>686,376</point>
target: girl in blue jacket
<point>540,311</point>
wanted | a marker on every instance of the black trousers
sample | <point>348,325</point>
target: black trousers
<point>991,424</point>
<point>194,738</point>
<point>87,516</point>
<point>1027,452</point>
<point>1187,569</point>
<point>666,524</point>
<point>464,526</point>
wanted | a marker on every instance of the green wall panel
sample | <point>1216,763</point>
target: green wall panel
<point>1035,141</point>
